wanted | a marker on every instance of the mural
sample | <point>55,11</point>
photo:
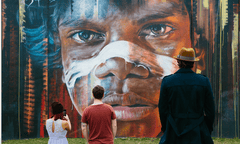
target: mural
<point>58,50</point>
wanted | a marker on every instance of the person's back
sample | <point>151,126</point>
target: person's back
<point>187,92</point>
<point>58,125</point>
<point>57,135</point>
<point>186,105</point>
<point>99,118</point>
<point>189,97</point>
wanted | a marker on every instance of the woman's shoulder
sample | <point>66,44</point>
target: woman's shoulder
<point>49,120</point>
<point>64,122</point>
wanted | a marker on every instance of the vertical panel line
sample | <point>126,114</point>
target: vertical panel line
<point>19,74</point>
<point>220,76</point>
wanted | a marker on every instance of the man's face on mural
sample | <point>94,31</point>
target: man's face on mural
<point>127,49</point>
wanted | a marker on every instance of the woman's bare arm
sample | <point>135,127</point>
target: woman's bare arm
<point>67,124</point>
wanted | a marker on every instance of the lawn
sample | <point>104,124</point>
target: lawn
<point>116,141</point>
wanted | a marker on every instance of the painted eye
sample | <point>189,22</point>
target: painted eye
<point>156,30</point>
<point>87,36</point>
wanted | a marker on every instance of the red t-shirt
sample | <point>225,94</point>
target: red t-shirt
<point>99,118</point>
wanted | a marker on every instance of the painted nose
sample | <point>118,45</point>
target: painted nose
<point>121,68</point>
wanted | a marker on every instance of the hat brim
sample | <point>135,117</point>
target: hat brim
<point>195,60</point>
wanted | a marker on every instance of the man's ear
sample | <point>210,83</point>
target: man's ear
<point>200,52</point>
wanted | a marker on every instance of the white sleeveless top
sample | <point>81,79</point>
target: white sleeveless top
<point>59,134</point>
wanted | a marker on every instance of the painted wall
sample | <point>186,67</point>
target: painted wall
<point>58,50</point>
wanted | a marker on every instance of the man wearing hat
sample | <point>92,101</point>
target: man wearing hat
<point>186,104</point>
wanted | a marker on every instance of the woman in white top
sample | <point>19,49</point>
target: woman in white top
<point>58,125</point>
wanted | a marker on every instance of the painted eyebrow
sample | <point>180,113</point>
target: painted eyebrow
<point>81,23</point>
<point>75,23</point>
<point>162,13</point>
<point>152,17</point>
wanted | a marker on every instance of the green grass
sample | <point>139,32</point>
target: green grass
<point>116,141</point>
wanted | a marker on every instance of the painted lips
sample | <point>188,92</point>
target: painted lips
<point>130,106</point>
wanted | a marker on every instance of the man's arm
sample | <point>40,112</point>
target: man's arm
<point>114,127</point>
<point>85,131</point>
<point>209,107</point>
<point>163,106</point>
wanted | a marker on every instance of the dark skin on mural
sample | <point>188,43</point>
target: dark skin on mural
<point>131,49</point>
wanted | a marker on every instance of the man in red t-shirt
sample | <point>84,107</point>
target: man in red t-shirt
<point>101,119</point>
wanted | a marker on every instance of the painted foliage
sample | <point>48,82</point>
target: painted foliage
<point>58,50</point>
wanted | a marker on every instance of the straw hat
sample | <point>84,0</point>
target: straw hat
<point>186,54</point>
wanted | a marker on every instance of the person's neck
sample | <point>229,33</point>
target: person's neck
<point>97,101</point>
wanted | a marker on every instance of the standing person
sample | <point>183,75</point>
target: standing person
<point>186,104</point>
<point>101,119</point>
<point>56,126</point>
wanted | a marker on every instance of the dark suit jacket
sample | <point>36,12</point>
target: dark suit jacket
<point>184,99</point>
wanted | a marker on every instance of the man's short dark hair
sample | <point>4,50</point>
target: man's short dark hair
<point>185,64</point>
<point>98,92</point>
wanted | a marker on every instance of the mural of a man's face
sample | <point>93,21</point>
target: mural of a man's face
<point>126,47</point>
